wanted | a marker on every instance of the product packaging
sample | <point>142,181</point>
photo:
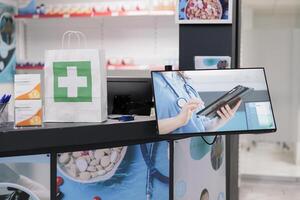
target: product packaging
<point>212,62</point>
<point>28,113</point>
<point>27,86</point>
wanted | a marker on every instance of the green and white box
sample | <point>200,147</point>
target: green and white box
<point>75,86</point>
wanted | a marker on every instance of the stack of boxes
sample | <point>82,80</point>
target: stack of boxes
<point>28,101</point>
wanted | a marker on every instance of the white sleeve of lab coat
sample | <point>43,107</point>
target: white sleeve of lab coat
<point>212,125</point>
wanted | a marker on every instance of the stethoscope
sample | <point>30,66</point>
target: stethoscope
<point>152,171</point>
<point>181,101</point>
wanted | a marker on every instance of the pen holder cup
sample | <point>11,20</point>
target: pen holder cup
<point>3,114</point>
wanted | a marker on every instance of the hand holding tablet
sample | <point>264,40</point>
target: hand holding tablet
<point>226,112</point>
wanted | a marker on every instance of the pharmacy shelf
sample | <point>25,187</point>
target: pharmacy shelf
<point>112,71</point>
<point>29,67</point>
<point>103,14</point>
<point>69,136</point>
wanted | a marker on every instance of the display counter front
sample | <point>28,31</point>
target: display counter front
<point>63,135</point>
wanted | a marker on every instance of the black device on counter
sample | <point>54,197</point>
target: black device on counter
<point>129,96</point>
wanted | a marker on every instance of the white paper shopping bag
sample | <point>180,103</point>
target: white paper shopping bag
<point>75,86</point>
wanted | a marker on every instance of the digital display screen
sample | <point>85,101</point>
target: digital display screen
<point>213,101</point>
<point>130,173</point>
<point>200,169</point>
<point>25,177</point>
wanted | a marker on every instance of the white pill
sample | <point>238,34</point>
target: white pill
<point>76,154</point>
<point>99,154</point>
<point>71,162</point>
<point>99,167</point>
<point>94,162</point>
<point>118,158</point>
<point>114,156</point>
<point>91,169</point>
<point>81,164</point>
<point>91,154</point>
<point>107,151</point>
<point>87,158</point>
<point>94,174</point>
<point>72,171</point>
<point>101,172</point>
<point>85,176</point>
<point>98,160</point>
<point>117,149</point>
<point>109,167</point>
<point>105,161</point>
<point>64,158</point>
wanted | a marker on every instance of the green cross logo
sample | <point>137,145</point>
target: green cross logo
<point>72,81</point>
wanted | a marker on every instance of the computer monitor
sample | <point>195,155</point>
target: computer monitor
<point>129,96</point>
<point>208,102</point>
<point>25,177</point>
<point>138,171</point>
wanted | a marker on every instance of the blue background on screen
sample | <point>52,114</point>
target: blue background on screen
<point>129,182</point>
<point>237,123</point>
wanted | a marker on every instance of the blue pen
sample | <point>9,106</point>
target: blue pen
<point>2,99</point>
<point>7,99</point>
<point>2,104</point>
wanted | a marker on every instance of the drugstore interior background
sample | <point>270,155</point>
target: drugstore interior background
<point>270,37</point>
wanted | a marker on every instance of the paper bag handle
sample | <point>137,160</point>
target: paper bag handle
<point>69,34</point>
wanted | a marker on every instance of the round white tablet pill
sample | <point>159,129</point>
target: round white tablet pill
<point>81,164</point>
<point>64,158</point>
<point>105,161</point>
<point>85,176</point>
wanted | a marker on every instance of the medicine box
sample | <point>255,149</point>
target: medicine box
<point>28,113</point>
<point>27,86</point>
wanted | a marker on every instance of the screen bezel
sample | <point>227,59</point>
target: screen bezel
<point>214,133</point>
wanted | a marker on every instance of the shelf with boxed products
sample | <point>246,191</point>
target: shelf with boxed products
<point>64,8</point>
<point>134,67</point>
<point>109,67</point>
<point>98,14</point>
<point>30,67</point>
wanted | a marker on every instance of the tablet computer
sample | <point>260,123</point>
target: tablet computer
<point>231,98</point>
